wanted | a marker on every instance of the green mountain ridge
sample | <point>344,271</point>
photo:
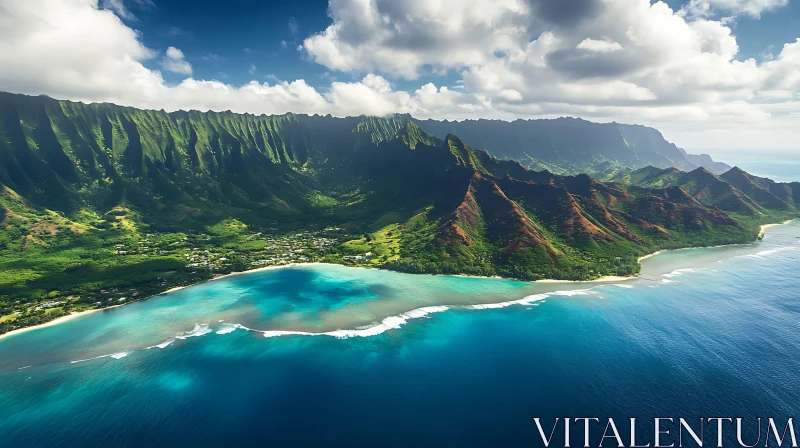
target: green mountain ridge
<point>97,197</point>
<point>573,145</point>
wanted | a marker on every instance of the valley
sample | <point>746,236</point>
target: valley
<point>98,197</point>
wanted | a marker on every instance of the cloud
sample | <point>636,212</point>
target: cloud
<point>178,31</point>
<point>599,46</point>
<point>513,59</point>
<point>753,8</point>
<point>400,38</point>
<point>119,7</point>
<point>70,48</point>
<point>175,61</point>
<point>635,59</point>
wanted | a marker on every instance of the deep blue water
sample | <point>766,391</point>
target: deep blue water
<point>719,340</point>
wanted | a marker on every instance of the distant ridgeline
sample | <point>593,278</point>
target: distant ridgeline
<point>572,145</point>
<point>77,176</point>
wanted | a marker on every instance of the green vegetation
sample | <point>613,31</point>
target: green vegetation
<point>102,205</point>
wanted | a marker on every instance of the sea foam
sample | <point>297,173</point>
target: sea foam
<point>228,328</point>
<point>529,300</point>
<point>118,355</point>
<point>678,272</point>
<point>164,344</point>
<point>198,330</point>
<point>389,323</point>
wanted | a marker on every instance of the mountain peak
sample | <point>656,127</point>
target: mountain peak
<point>453,139</point>
<point>737,170</point>
<point>701,170</point>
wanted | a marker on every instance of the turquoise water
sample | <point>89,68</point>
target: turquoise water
<point>704,333</point>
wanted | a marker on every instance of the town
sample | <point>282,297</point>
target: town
<point>227,247</point>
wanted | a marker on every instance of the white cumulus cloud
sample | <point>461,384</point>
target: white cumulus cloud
<point>600,46</point>
<point>753,8</point>
<point>175,61</point>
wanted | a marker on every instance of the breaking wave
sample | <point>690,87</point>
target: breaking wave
<point>389,323</point>
<point>118,355</point>
<point>678,272</point>
<point>198,330</point>
<point>228,328</point>
<point>164,344</point>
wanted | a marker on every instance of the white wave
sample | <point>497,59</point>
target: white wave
<point>624,286</point>
<point>275,333</point>
<point>529,300</point>
<point>395,322</point>
<point>577,292</point>
<point>664,280</point>
<point>228,328</point>
<point>678,272</point>
<point>164,344</point>
<point>198,330</point>
<point>391,322</point>
<point>26,367</point>
<point>118,355</point>
<point>764,253</point>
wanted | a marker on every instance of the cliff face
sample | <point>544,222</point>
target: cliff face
<point>572,144</point>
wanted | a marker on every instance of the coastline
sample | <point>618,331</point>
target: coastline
<point>649,256</point>
<point>265,268</point>
<point>606,279</point>
<point>231,274</point>
<point>60,320</point>
<point>768,226</point>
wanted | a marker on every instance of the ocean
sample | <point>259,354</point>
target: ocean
<point>780,166</point>
<point>326,355</point>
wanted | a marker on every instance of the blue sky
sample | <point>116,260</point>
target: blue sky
<point>707,73</point>
<point>224,40</point>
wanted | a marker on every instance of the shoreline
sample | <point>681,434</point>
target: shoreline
<point>605,279</point>
<point>262,269</point>
<point>641,259</point>
<point>60,320</point>
<point>231,274</point>
<point>769,226</point>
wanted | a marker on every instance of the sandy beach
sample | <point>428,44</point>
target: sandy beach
<point>649,256</point>
<point>606,279</point>
<point>767,226</point>
<point>60,320</point>
<point>265,268</point>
